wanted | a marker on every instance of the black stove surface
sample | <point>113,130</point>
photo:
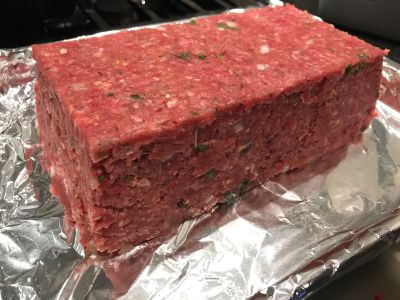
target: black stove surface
<point>22,25</point>
<point>24,22</point>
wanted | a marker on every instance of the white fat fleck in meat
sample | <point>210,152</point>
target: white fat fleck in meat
<point>264,49</point>
<point>285,169</point>
<point>238,127</point>
<point>209,199</point>
<point>145,45</point>
<point>137,119</point>
<point>261,67</point>
<point>143,182</point>
<point>79,86</point>
<point>99,52</point>
<point>277,37</point>
<point>296,54</point>
<point>156,78</point>
<point>103,84</point>
<point>94,184</point>
<point>190,94</point>
<point>172,103</point>
<point>309,42</point>
<point>63,51</point>
<point>52,170</point>
<point>231,24</point>
<point>167,96</point>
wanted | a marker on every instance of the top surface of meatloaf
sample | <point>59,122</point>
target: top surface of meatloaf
<point>135,85</point>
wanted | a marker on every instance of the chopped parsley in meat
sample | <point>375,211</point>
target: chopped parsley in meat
<point>182,203</point>
<point>136,97</point>
<point>210,173</point>
<point>202,56</point>
<point>110,94</point>
<point>354,68</point>
<point>186,56</point>
<point>201,147</point>
<point>230,198</point>
<point>244,187</point>
<point>101,154</point>
<point>348,69</point>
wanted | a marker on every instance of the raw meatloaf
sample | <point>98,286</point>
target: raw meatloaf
<point>143,129</point>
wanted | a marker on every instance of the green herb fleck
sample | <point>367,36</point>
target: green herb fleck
<point>202,56</point>
<point>219,55</point>
<point>359,67</point>
<point>348,69</point>
<point>136,97</point>
<point>102,177</point>
<point>363,56</point>
<point>186,56</point>
<point>110,94</point>
<point>244,187</point>
<point>223,26</point>
<point>194,113</point>
<point>192,22</point>
<point>210,173</point>
<point>230,198</point>
<point>101,154</point>
<point>182,203</point>
<point>201,147</point>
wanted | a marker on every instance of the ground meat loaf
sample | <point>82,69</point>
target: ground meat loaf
<point>143,129</point>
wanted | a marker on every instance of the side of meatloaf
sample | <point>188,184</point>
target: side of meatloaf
<point>146,128</point>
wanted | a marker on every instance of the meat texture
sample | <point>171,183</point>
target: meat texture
<point>143,129</point>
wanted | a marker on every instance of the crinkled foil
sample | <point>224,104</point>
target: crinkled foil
<point>283,241</point>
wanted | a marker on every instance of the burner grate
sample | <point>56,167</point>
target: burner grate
<point>91,16</point>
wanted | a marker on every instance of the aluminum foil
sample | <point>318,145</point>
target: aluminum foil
<point>284,240</point>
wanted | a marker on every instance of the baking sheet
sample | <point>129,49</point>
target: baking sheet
<point>283,241</point>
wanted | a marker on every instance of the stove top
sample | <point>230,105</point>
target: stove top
<point>43,20</point>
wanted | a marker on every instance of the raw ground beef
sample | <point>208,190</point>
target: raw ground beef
<point>146,128</point>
